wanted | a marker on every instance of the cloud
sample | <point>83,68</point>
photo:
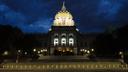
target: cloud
<point>33,8</point>
<point>41,25</point>
<point>3,8</point>
<point>108,9</point>
<point>10,17</point>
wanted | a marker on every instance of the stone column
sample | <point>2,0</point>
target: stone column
<point>51,51</point>
<point>75,51</point>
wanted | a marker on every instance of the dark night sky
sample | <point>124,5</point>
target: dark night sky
<point>89,15</point>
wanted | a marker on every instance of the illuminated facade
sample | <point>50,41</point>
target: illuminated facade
<point>63,34</point>
<point>63,37</point>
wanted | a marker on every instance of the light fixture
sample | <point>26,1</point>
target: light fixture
<point>25,53</point>
<point>77,29</point>
<point>50,29</point>
<point>5,53</point>
<point>63,50</point>
<point>41,50</point>
<point>67,49</point>
<point>38,52</point>
<point>19,51</point>
<point>92,49</point>
<point>45,50</point>
<point>34,50</point>
<point>120,53</point>
<point>85,50</point>
<point>71,51</point>
<point>88,52</point>
<point>81,50</point>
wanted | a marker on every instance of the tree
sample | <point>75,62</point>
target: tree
<point>108,44</point>
<point>9,39</point>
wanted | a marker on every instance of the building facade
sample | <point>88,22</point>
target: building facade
<point>63,37</point>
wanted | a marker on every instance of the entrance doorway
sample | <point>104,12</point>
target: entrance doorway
<point>63,51</point>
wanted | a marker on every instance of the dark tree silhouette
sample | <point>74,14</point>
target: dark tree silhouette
<point>10,39</point>
<point>108,44</point>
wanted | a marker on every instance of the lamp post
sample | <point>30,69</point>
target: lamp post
<point>17,58</point>
<point>34,50</point>
<point>121,57</point>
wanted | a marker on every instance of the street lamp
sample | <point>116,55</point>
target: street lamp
<point>85,50</point>
<point>81,50</point>
<point>88,52</point>
<point>34,50</point>
<point>5,53</point>
<point>19,51</point>
<point>17,58</point>
<point>121,56</point>
<point>38,52</point>
<point>92,50</point>
<point>41,50</point>
<point>25,53</point>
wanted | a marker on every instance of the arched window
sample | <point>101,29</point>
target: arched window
<point>63,34</point>
<point>71,35</point>
<point>71,41</point>
<point>56,41</point>
<point>63,41</point>
<point>55,35</point>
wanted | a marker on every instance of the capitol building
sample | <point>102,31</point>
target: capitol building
<point>63,38</point>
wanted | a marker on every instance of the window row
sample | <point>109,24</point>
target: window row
<point>63,34</point>
<point>64,41</point>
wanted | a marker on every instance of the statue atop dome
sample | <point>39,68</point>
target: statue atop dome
<point>63,7</point>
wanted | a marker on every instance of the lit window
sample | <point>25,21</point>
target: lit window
<point>63,41</point>
<point>71,41</point>
<point>56,41</point>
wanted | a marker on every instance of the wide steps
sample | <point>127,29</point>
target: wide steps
<point>65,65</point>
